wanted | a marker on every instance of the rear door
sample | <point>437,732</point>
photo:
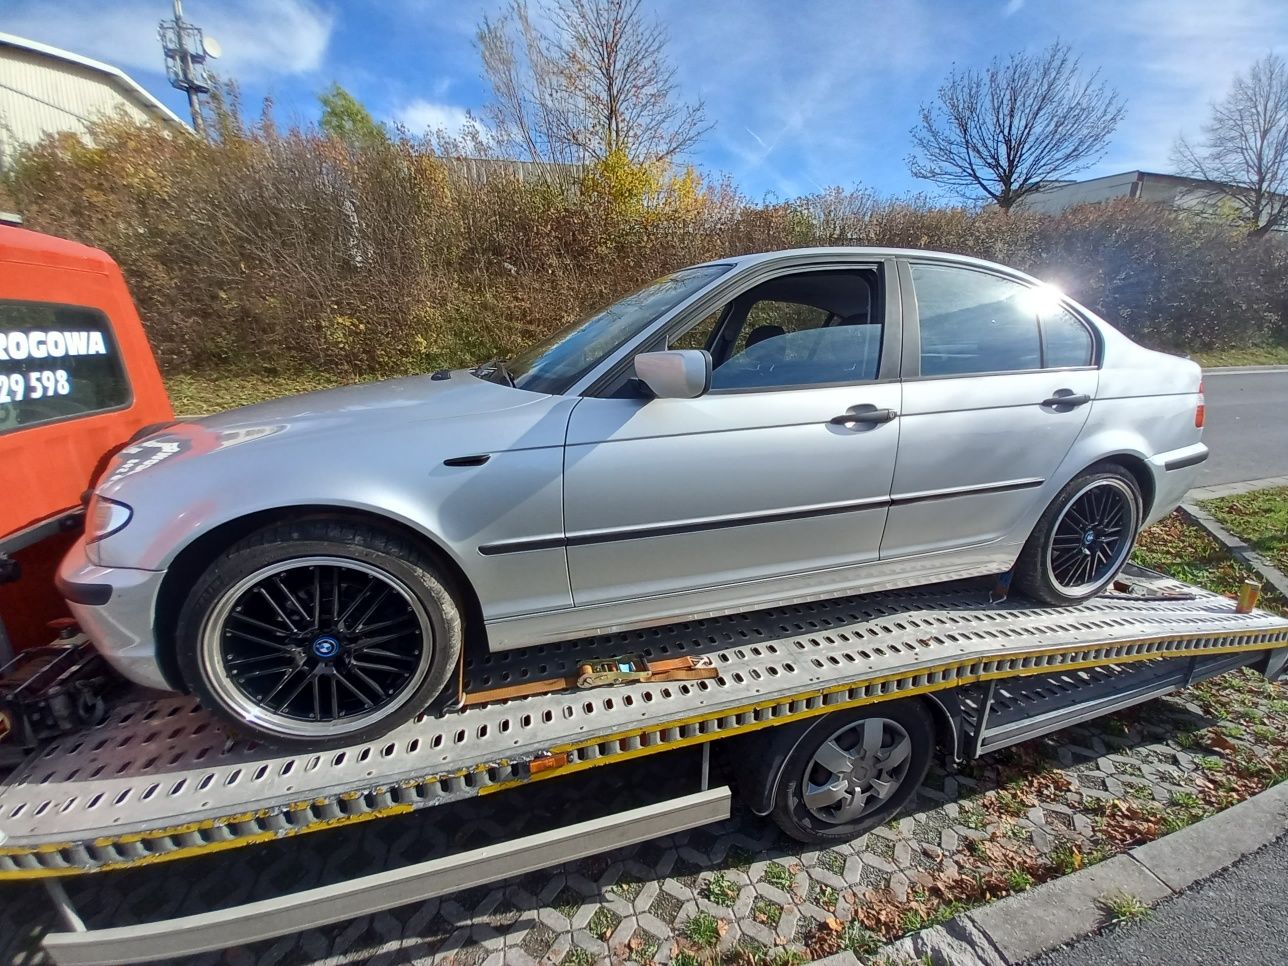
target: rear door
<point>780,469</point>
<point>998,378</point>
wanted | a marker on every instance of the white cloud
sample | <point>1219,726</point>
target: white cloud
<point>1012,7</point>
<point>801,93</point>
<point>419,116</point>
<point>260,38</point>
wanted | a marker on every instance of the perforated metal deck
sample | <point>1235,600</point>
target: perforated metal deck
<point>160,780</point>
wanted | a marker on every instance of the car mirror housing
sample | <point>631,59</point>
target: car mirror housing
<point>675,373</point>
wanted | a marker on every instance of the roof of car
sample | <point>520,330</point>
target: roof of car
<point>825,251</point>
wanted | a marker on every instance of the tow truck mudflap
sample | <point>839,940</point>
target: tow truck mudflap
<point>268,918</point>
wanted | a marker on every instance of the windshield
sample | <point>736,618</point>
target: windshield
<point>555,364</point>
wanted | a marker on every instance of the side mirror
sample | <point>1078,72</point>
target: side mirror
<point>675,373</point>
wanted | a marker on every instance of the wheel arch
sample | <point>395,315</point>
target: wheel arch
<point>193,559</point>
<point>1139,469</point>
<point>769,750</point>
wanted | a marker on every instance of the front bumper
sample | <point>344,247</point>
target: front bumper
<point>115,607</point>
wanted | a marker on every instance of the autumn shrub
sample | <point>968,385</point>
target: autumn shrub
<point>287,249</point>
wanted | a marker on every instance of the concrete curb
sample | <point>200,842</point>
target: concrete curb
<point>1242,370</point>
<point>1021,927</point>
<point>1219,490</point>
<point>1268,572</point>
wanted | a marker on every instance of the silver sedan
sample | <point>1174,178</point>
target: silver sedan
<point>753,431</point>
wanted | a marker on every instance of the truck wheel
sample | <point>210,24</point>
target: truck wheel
<point>319,633</point>
<point>1083,539</point>
<point>850,771</point>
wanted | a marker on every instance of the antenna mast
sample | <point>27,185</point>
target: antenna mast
<point>185,61</point>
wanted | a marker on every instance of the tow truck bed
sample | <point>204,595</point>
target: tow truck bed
<point>159,780</point>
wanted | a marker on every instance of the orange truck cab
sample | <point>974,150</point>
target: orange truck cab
<point>77,381</point>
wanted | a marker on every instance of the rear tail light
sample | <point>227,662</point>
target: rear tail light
<point>1199,409</point>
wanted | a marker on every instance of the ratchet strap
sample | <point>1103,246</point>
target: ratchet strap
<point>598,674</point>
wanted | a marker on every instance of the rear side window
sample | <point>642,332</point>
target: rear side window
<point>974,322</point>
<point>57,362</point>
<point>1065,340</point>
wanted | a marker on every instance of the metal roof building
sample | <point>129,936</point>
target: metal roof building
<point>44,90</point>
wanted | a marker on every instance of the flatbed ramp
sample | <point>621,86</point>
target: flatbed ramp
<point>160,780</point>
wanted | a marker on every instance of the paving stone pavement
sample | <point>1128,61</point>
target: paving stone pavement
<point>768,892</point>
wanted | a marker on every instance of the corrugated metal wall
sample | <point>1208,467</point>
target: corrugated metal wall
<point>39,96</point>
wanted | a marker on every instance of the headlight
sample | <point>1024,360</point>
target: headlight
<point>105,517</point>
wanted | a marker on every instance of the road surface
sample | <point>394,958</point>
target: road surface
<point>1247,426</point>
<point>1238,917</point>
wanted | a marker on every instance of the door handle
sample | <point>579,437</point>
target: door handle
<point>1069,399</point>
<point>870,416</point>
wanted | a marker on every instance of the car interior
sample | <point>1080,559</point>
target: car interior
<point>811,328</point>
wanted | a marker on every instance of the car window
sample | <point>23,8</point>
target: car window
<point>974,322</point>
<point>1066,341</point>
<point>698,337</point>
<point>554,365</point>
<point>56,361</point>
<point>811,328</point>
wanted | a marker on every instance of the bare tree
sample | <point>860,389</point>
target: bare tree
<point>1010,129</point>
<point>1244,150</point>
<point>596,81</point>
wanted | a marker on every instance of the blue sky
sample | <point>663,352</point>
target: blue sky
<point>803,93</point>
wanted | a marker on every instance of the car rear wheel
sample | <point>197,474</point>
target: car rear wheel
<point>319,633</point>
<point>1083,539</point>
<point>850,771</point>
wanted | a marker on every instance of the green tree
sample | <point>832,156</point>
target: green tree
<point>345,119</point>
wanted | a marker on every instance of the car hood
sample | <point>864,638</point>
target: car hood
<point>409,398</point>
<point>355,414</point>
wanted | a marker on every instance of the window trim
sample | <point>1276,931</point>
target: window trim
<point>912,324</point>
<point>113,343</point>
<point>737,283</point>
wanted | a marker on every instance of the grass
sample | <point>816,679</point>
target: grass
<point>202,393</point>
<point>1260,518</point>
<point>778,876</point>
<point>1184,551</point>
<point>720,890</point>
<point>1257,355</point>
<point>1124,907</point>
<point>702,929</point>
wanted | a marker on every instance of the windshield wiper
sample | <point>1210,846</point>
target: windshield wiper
<point>495,367</point>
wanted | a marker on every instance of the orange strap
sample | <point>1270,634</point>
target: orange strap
<point>672,669</point>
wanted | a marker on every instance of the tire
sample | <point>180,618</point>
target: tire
<point>1076,550</point>
<point>871,794</point>
<point>317,634</point>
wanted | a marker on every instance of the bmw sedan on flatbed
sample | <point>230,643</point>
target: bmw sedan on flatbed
<point>752,431</point>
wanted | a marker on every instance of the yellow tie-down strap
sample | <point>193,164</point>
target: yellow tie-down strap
<point>347,808</point>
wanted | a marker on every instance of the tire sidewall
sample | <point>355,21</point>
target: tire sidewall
<point>1046,528</point>
<point>789,809</point>
<point>227,571</point>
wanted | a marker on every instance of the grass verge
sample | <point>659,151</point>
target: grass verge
<point>1262,355</point>
<point>202,393</point>
<point>1260,519</point>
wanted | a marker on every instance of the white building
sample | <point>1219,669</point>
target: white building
<point>44,90</point>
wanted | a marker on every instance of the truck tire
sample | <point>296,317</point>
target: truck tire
<point>850,771</point>
<point>1084,537</point>
<point>319,633</point>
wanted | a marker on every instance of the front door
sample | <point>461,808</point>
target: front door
<point>984,426</point>
<point>784,467</point>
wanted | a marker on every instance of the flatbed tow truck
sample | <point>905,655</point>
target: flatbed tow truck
<point>158,781</point>
<point>140,780</point>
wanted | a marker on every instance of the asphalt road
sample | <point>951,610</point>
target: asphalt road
<point>1247,426</point>
<point>1239,917</point>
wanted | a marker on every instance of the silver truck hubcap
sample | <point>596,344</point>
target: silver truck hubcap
<point>856,770</point>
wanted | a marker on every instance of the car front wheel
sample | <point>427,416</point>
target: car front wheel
<point>1083,539</point>
<point>319,633</point>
